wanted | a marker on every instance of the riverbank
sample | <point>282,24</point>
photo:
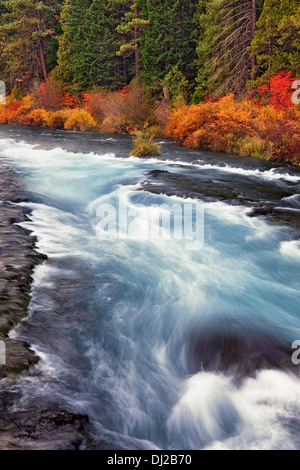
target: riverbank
<point>44,427</point>
<point>239,127</point>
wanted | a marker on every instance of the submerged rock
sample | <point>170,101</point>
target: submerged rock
<point>39,428</point>
<point>44,429</point>
<point>235,349</point>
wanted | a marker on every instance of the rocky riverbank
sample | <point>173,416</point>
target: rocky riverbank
<point>35,429</point>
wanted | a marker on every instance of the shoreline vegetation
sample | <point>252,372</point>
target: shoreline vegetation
<point>211,74</point>
<point>244,127</point>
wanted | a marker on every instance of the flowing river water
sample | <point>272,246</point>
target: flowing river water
<point>162,347</point>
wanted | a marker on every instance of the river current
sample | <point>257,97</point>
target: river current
<point>164,347</point>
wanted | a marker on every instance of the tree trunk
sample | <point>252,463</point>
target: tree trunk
<point>42,57</point>
<point>136,43</point>
<point>253,58</point>
<point>41,48</point>
<point>270,62</point>
<point>136,50</point>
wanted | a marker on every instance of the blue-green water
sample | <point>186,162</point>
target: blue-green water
<point>161,346</point>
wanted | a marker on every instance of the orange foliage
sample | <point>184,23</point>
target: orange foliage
<point>16,112</point>
<point>51,105</point>
<point>70,101</point>
<point>137,106</point>
<point>94,105</point>
<point>238,127</point>
<point>210,124</point>
<point>116,111</point>
<point>37,118</point>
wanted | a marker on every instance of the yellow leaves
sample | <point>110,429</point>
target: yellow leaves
<point>113,123</point>
<point>71,119</point>
<point>80,120</point>
<point>37,117</point>
<point>57,119</point>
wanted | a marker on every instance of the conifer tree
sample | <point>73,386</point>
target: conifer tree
<point>89,44</point>
<point>168,44</point>
<point>27,27</point>
<point>276,42</point>
<point>224,60</point>
<point>132,24</point>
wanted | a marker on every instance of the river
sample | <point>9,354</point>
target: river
<point>162,344</point>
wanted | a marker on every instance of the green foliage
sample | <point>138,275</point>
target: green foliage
<point>178,50</point>
<point>168,43</point>
<point>176,86</point>
<point>89,44</point>
<point>27,47</point>
<point>144,146</point>
<point>253,146</point>
<point>16,94</point>
<point>276,42</point>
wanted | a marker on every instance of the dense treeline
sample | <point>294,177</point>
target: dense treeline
<point>121,65</point>
<point>184,47</point>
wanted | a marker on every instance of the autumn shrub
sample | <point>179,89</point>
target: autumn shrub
<point>278,92</point>
<point>114,119</point>
<point>184,121</point>
<point>138,107</point>
<point>131,107</point>
<point>71,98</point>
<point>57,119</point>
<point>238,127</point>
<point>216,126</point>
<point>3,115</point>
<point>79,120</point>
<point>15,112</point>
<point>144,145</point>
<point>162,113</point>
<point>37,118</point>
<point>51,95</point>
<point>94,105</point>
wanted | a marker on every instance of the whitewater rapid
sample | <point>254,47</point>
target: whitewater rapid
<point>130,331</point>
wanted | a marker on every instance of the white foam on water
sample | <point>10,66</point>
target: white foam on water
<point>214,414</point>
<point>269,175</point>
<point>291,249</point>
<point>293,200</point>
<point>142,296</point>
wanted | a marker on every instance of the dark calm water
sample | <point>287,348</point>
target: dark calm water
<point>162,346</point>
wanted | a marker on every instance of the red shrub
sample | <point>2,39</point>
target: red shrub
<point>278,93</point>
<point>51,95</point>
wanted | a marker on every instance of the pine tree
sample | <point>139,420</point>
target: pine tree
<point>26,32</point>
<point>223,51</point>
<point>133,24</point>
<point>89,44</point>
<point>72,38</point>
<point>167,45</point>
<point>276,42</point>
